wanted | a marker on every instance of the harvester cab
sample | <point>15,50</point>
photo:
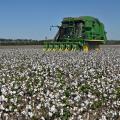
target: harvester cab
<point>77,33</point>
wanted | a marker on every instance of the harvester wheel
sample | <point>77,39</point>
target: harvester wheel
<point>85,48</point>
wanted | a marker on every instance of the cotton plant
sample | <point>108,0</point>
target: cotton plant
<point>59,85</point>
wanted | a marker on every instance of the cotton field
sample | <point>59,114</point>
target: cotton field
<point>73,85</point>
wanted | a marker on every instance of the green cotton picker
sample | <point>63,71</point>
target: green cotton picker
<point>78,33</point>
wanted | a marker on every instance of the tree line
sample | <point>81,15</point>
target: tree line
<point>40,42</point>
<point>21,42</point>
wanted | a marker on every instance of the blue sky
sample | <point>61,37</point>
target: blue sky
<point>31,19</point>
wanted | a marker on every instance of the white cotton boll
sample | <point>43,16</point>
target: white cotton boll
<point>118,103</point>
<point>55,84</point>
<point>114,113</point>
<point>105,95</point>
<point>56,119</point>
<point>53,109</point>
<point>3,75</point>
<point>39,106</point>
<point>75,108</point>
<point>42,118</point>
<point>61,91</point>
<point>61,112</point>
<point>47,104</point>
<point>82,104</point>
<point>21,93</point>
<point>10,108</point>
<point>3,98</point>
<point>2,107</point>
<point>35,90</point>
<point>74,83</point>
<point>77,98</point>
<point>94,80</point>
<point>86,102</point>
<point>50,114</point>
<point>51,95</point>
<point>79,117</point>
<point>60,68</point>
<point>119,113</point>
<point>12,100</point>
<point>114,103</point>
<point>81,109</point>
<point>15,100</point>
<point>92,70</point>
<point>16,86</point>
<point>103,77</point>
<point>96,99</point>
<point>11,84</point>
<point>28,107</point>
<point>89,95</point>
<point>71,118</point>
<point>70,76</point>
<point>110,91</point>
<point>3,80</point>
<point>104,117</point>
<point>42,99</point>
<point>15,110</point>
<point>61,104</point>
<point>3,90</point>
<point>56,95</point>
<point>30,114</point>
<point>6,109</point>
<point>6,116</point>
<point>63,97</point>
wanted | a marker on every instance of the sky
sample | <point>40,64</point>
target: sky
<point>31,19</point>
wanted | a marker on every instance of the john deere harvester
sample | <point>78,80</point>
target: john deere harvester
<point>77,33</point>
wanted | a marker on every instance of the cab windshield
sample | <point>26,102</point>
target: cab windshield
<point>71,30</point>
